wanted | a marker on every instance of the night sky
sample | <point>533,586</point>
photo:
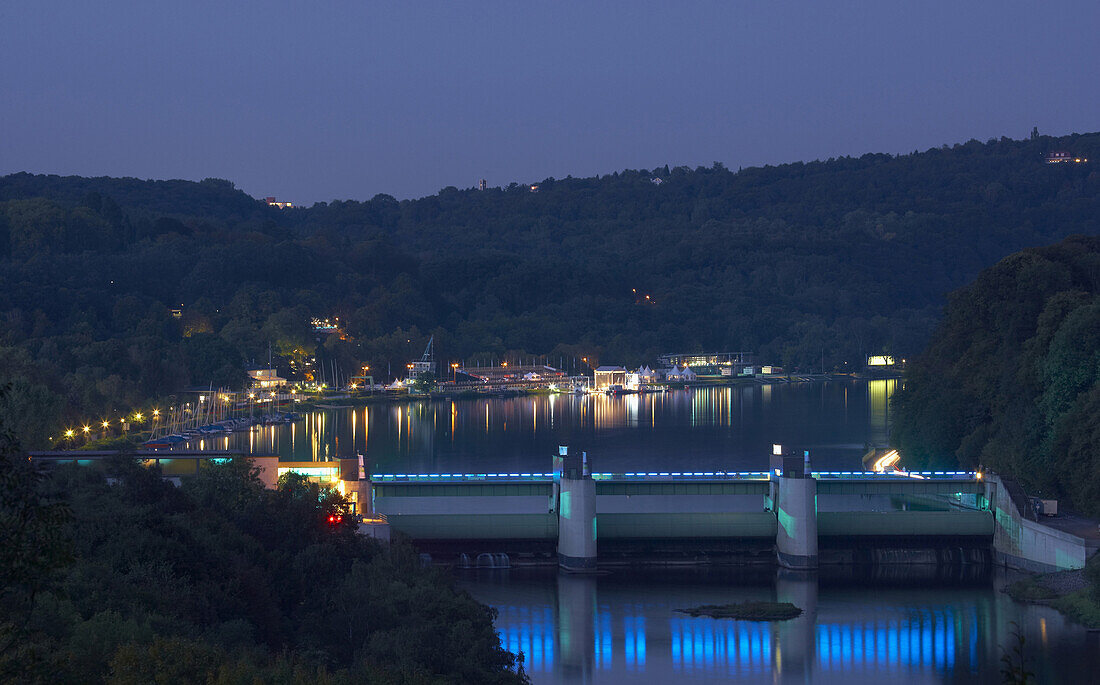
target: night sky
<point>314,101</point>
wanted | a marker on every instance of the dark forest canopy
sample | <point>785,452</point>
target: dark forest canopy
<point>1011,379</point>
<point>805,264</point>
<point>112,574</point>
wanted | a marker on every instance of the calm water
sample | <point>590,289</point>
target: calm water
<point>624,627</point>
<point>701,429</point>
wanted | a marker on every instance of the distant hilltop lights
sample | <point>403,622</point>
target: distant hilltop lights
<point>1061,157</point>
<point>271,202</point>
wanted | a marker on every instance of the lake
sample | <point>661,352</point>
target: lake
<point>706,429</point>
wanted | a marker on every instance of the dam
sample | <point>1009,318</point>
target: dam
<point>792,515</point>
<point>583,518</point>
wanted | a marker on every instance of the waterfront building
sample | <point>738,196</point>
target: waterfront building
<point>704,359</point>
<point>265,378</point>
<point>606,376</point>
<point>426,364</point>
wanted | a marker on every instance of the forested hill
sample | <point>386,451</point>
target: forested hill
<point>1011,379</point>
<point>804,264</point>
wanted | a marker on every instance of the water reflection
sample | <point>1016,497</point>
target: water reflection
<point>728,428</point>
<point>578,629</point>
<point>879,393</point>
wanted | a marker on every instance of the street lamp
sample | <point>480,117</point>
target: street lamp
<point>454,368</point>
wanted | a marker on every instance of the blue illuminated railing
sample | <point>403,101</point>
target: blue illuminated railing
<point>542,477</point>
<point>670,475</point>
<point>871,475</point>
<point>458,477</point>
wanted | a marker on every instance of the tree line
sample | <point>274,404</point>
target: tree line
<point>1011,378</point>
<point>809,265</point>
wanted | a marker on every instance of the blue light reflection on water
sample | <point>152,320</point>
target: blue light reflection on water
<point>634,642</point>
<point>702,644</point>
<point>528,629</point>
<point>929,637</point>
<point>579,631</point>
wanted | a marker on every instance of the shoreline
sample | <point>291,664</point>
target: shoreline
<point>361,400</point>
<point>1068,592</point>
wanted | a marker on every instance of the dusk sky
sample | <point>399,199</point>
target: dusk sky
<point>314,101</point>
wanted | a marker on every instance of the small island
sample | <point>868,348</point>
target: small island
<point>747,611</point>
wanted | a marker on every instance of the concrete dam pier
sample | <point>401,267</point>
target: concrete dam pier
<point>788,515</point>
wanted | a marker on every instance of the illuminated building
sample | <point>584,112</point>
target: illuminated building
<point>1063,157</point>
<point>704,359</point>
<point>426,365</point>
<point>271,202</point>
<point>606,376</point>
<point>325,325</point>
<point>265,378</point>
